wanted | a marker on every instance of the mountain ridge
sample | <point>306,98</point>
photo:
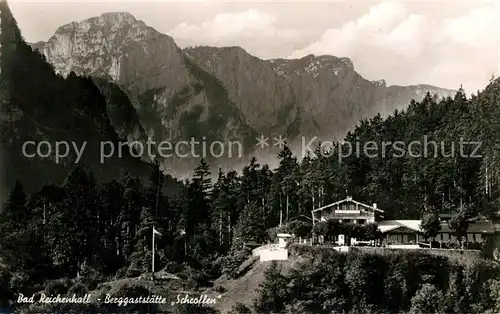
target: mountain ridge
<point>319,96</point>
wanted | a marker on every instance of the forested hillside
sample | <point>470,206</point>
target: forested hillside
<point>82,227</point>
<point>38,105</point>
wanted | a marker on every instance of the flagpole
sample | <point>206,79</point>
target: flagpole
<point>153,255</point>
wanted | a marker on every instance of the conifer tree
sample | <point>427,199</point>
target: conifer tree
<point>250,227</point>
<point>141,258</point>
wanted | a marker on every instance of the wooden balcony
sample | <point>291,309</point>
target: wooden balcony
<point>348,215</point>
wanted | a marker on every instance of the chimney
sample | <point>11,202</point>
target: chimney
<point>349,198</point>
<point>374,205</point>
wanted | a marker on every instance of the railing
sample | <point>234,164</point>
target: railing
<point>301,241</point>
<point>428,245</point>
<point>442,252</point>
<point>362,215</point>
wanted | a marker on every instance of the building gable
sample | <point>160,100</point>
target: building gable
<point>402,229</point>
<point>347,210</point>
<point>348,205</point>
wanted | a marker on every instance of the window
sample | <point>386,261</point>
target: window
<point>412,238</point>
<point>361,221</point>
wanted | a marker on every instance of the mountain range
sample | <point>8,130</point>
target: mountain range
<point>156,89</point>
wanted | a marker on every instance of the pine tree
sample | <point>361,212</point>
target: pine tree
<point>250,227</point>
<point>21,246</point>
<point>221,206</point>
<point>272,298</point>
<point>197,215</point>
<point>202,175</point>
<point>155,194</point>
<point>288,182</point>
<point>81,194</point>
<point>141,258</point>
<point>130,216</point>
<point>431,225</point>
<point>15,212</point>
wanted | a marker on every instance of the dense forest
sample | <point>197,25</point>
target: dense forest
<point>404,282</point>
<point>81,226</point>
<point>93,222</point>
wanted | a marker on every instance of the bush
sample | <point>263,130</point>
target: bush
<point>131,290</point>
<point>428,299</point>
<point>174,267</point>
<point>273,294</point>
<point>231,263</point>
<point>240,308</point>
<point>220,289</point>
<point>300,228</point>
<point>496,254</point>
<point>133,272</point>
<point>193,278</point>
<point>494,294</point>
<point>90,277</point>
<point>200,278</point>
<point>104,286</point>
<point>79,289</point>
<point>213,266</point>
<point>59,286</point>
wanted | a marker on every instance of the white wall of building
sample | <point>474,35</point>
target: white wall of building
<point>277,254</point>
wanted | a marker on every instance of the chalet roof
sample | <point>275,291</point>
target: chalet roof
<point>483,226</point>
<point>474,227</point>
<point>389,225</point>
<point>348,199</point>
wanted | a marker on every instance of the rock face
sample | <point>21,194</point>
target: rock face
<point>116,44</point>
<point>221,93</point>
<point>263,97</point>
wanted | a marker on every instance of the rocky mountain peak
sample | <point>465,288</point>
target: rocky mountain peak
<point>107,46</point>
<point>380,83</point>
<point>106,22</point>
<point>218,53</point>
<point>332,61</point>
<point>313,66</point>
<point>120,17</point>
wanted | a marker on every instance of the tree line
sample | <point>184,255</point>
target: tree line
<point>82,222</point>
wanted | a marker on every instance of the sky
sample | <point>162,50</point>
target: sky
<point>442,43</point>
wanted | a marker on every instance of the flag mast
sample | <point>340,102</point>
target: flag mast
<point>153,252</point>
<point>153,255</point>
